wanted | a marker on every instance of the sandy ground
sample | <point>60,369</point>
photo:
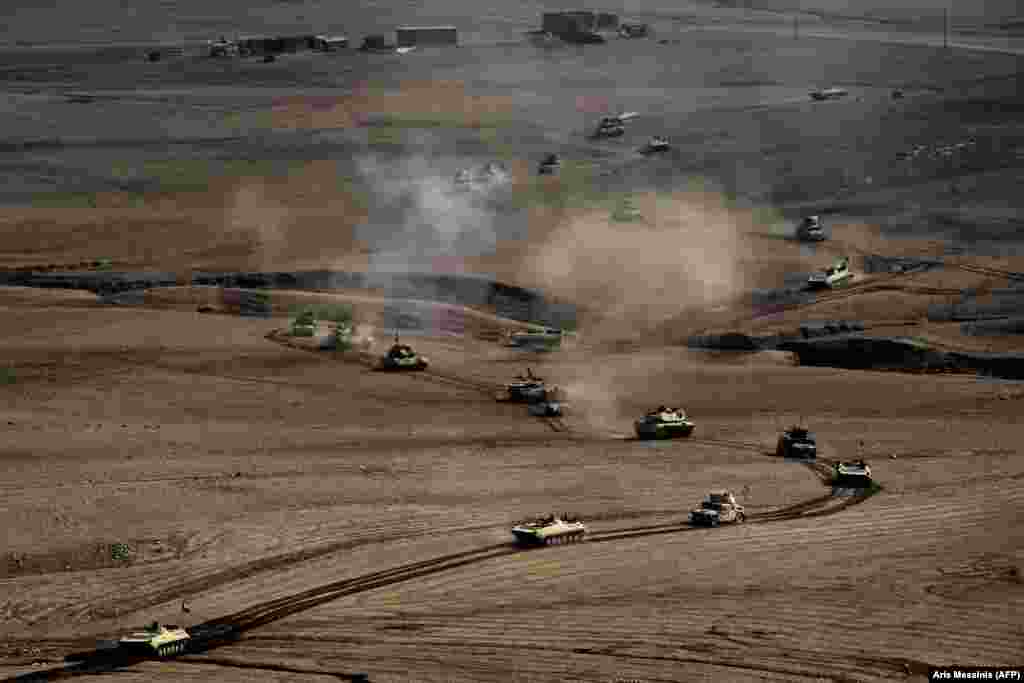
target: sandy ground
<point>241,470</point>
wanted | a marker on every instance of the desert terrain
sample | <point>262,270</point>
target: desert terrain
<point>208,469</point>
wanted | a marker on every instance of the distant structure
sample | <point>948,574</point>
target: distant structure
<point>573,23</point>
<point>412,36</point>
<point>329,43</point>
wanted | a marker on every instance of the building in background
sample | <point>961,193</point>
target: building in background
<point>580,25</point>
<point>329,43</point>
<point>412,36</point>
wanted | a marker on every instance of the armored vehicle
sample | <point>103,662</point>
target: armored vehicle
<point>663,424</point>
<point>528,388</point>
<point>837,274</point>
<point>609,127</point>
<point>463,180</point>
<point>550,165</point>
<point>656,144</point>
<point>810,229</point>
<point>547,408</point>
<point>402,357</point>
<point>492,172</point>
<point>634,30</point>
<point>156,641</point>
<point>549,530</point>
<point>537,337</point>
<point>720,507</point>
<point>854,474</point>
<point>829,94</point>
<point>797,442</point>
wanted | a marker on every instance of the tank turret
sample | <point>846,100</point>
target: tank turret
<point>664,423</point>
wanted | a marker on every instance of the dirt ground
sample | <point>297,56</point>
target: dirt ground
<point>240,470</point>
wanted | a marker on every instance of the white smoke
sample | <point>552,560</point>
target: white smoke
<point>439,224</point>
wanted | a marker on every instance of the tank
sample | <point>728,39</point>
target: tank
<point>720,507</point>
<point>854,474</point>
<point>829,94</point>
<point>797,442</point>
<point>549,530</point>
<point>550,165</point>
<point>609,127</point>
<point>402,357</point>
<point>463,180</point>
<point>664,423</point>
<point>537,337</point>
<point>527,388</point>
<point>156,640</point>
<point>545,409</point>
<point>837,274</point>
<point>634,30</point>
<point>656,144</point>
<point>810,229</point>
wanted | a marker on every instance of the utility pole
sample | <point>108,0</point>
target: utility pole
<point>945,28</point>
<point>796,27</point>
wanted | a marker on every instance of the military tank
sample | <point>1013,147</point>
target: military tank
<point>854,474</point>
<point>527,388</point>
<point>609,127</point>
<point>537,337</point>
<point>402,357</point>
<point>656,145</point>
<point>720,507</point>
<point>797,442</point>
<point>550,530</point>
<point>546,408</point>
<point>664,423</point>
<point>463,180</point>
<point>810,229</point>
<point>156,640</point>
<point>837,274</point>
<point>550,165</point>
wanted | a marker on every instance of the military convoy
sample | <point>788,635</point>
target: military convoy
<point>720,507</point>
<point>402,357</point>
<point>797,442</point>
<point>550,530</point>
<point>156,640</point>
<point>664,423</point>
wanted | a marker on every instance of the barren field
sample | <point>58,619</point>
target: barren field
<point>210,470</point>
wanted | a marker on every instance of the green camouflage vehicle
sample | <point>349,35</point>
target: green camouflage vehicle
<point>663,424</point>
<point>838,274</point>
<point>156,641</point>
<point>549,530</point>
<point>402,357</point>
<point>537,337</point>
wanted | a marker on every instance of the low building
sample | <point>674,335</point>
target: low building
<point>263,45</point>
<point>329,43</point>
<point>562,23</point>
<point>575,23</point>
<point>409,36</point>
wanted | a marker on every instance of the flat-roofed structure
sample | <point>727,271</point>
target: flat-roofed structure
<point>410,36</point>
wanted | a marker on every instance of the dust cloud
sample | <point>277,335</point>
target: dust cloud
<point>437,225</point>
<point>259,221</point>
<point>686,251</point>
